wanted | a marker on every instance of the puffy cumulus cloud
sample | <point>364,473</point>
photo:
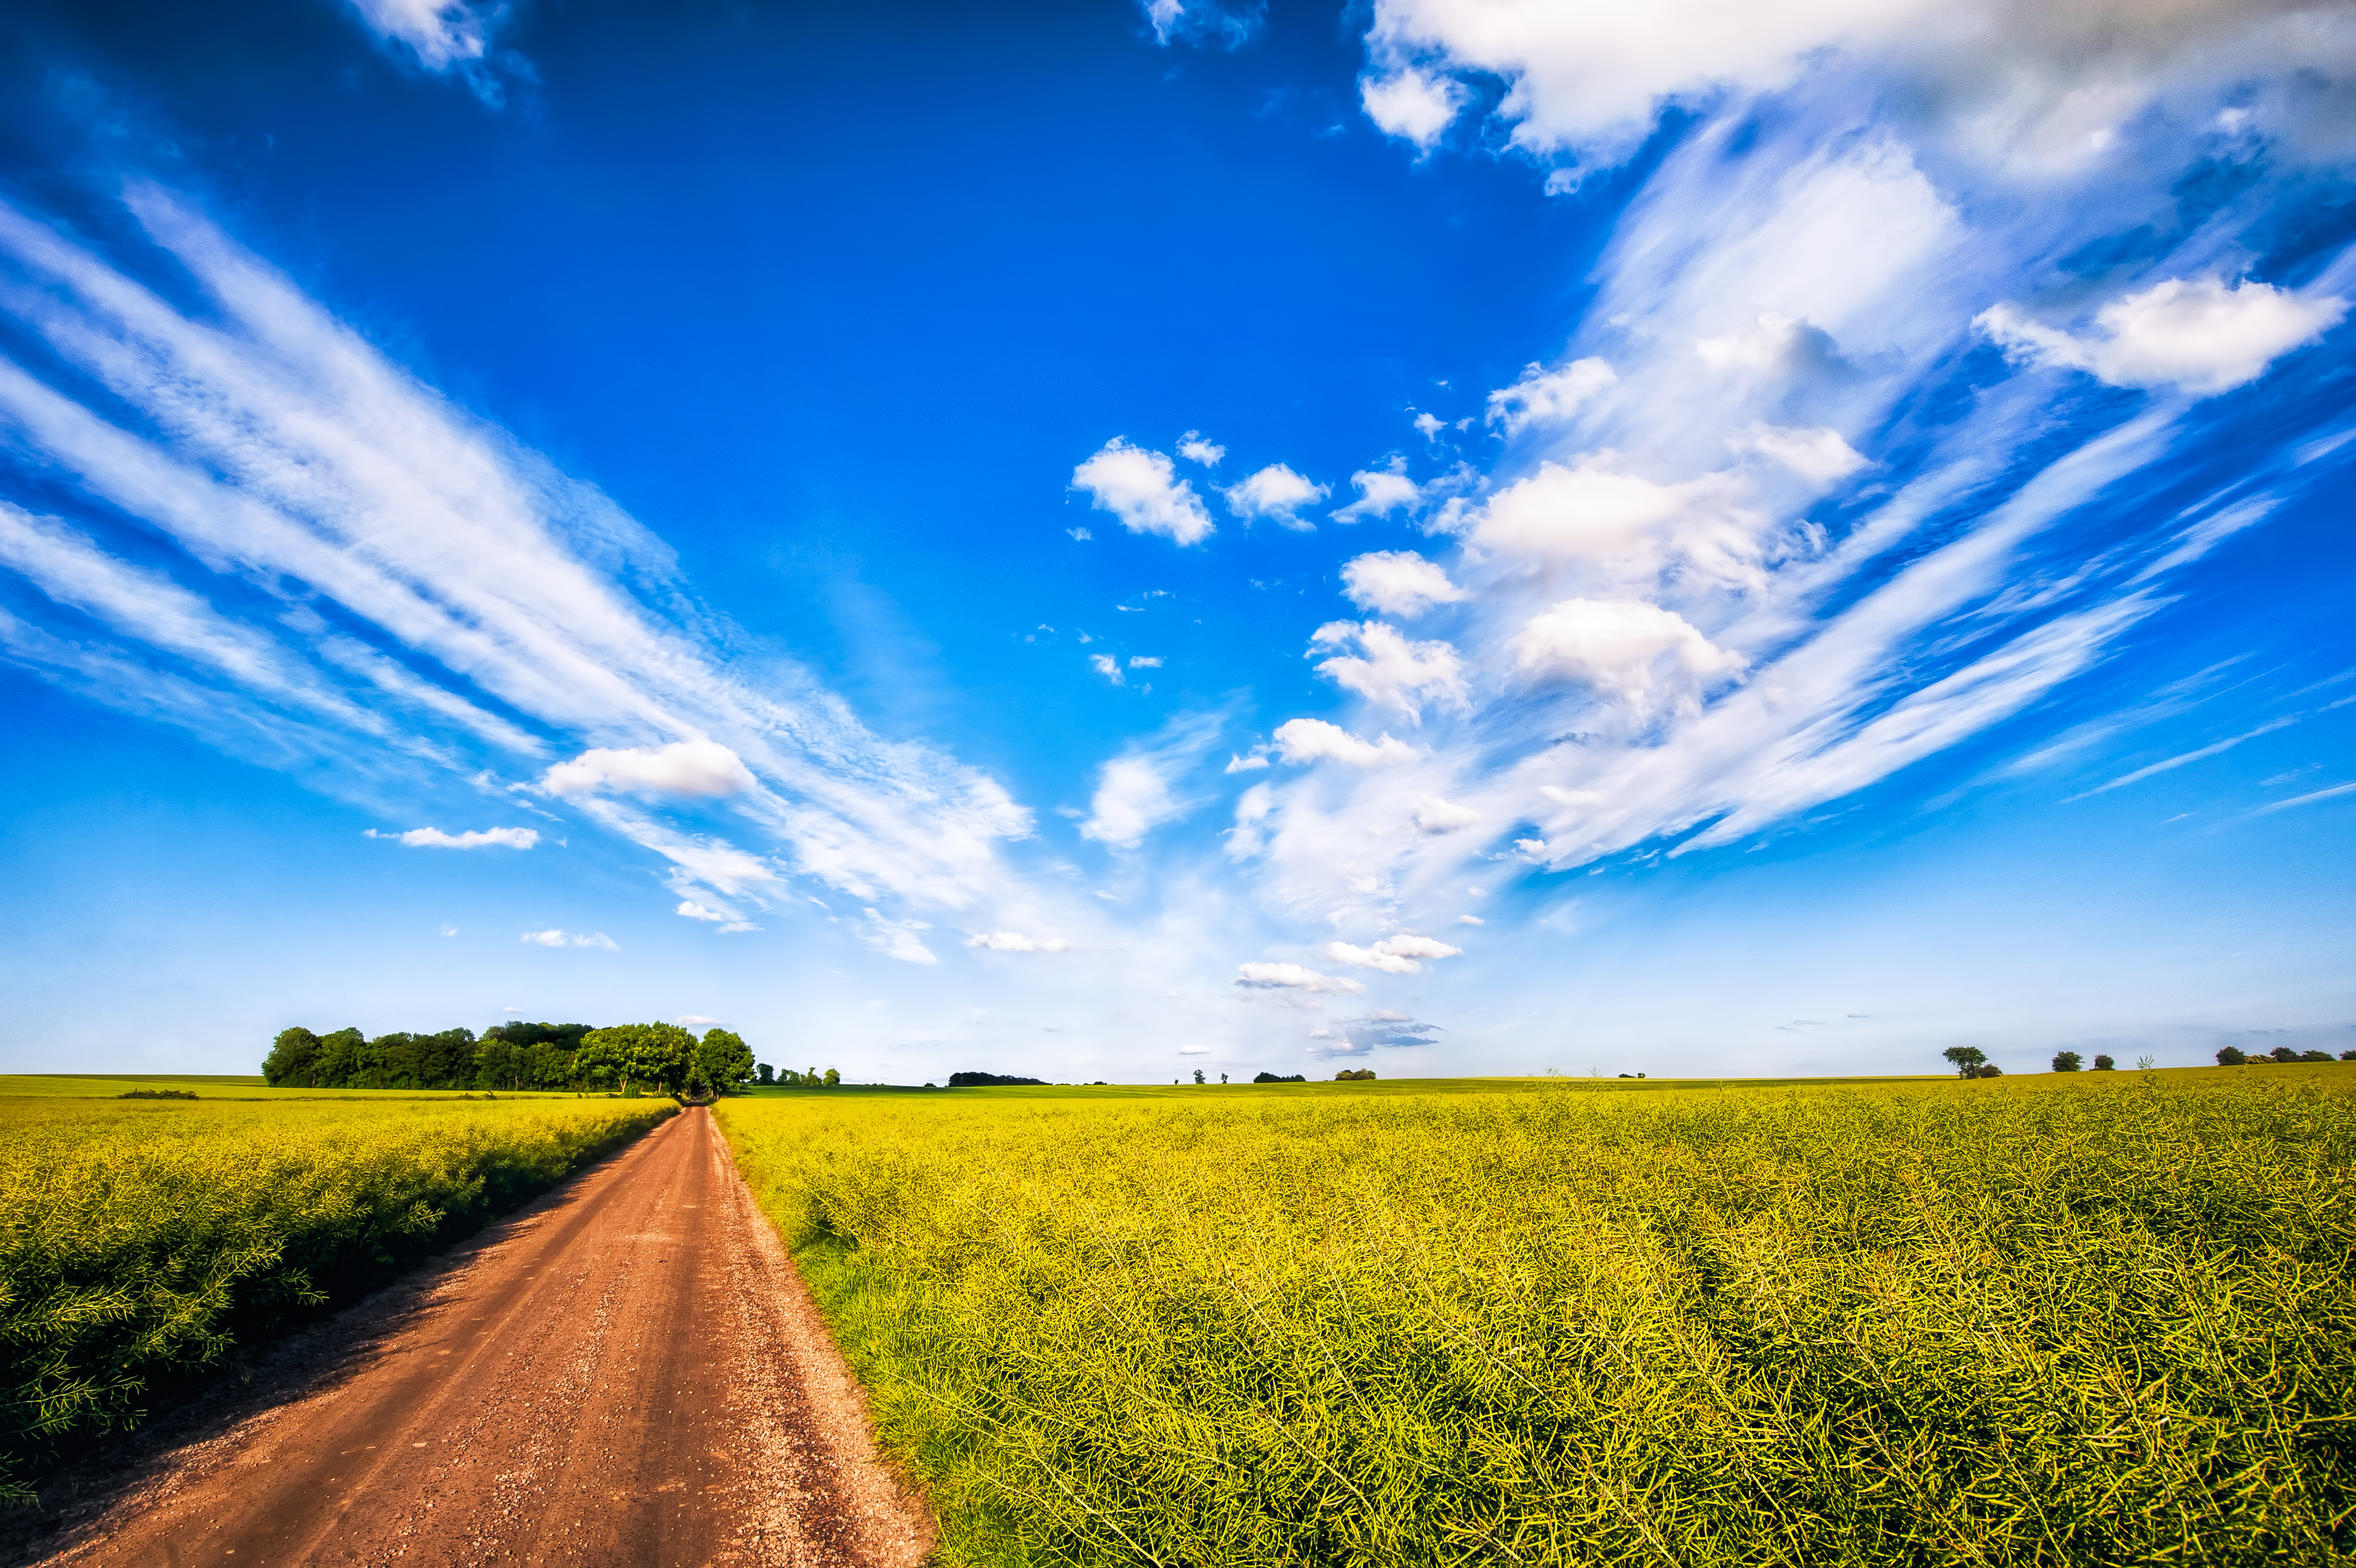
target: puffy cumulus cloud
<point>474,838</point>
<point>1303,741</point>
<point>1144,490</point>
<point>702,768</point>
<point>2030,83</point>
<point>1411,103</point>
<point>1648,660</point>
<point>1015,942</point>
<point>1381,492</point>
<point>2195,335</point>
<point>1390,669</point>
<point>1597,514</point>
<point>692,910</point>
<point>1433,815</point>
<point>1294,977</point>
<point>1392,955</point>
<point>1275,494</point>
<point>1819,456</point>
<point>1548,397</point>
<point>559,938</point>
<point>1198,448</point>
<point>1105,665</point>
<point>1397,583</point>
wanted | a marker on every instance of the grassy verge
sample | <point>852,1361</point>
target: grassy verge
<point>142,1240</point>
<point>2033,1320</point>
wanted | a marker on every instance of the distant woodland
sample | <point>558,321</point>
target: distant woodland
<point>647,1058</point>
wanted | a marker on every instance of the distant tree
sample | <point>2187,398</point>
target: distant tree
<point>2066,1061</point>
<point>2315,1056</point>
<point>1198,1075</point>
<point>833,1079</point>
<point>2229,1055</point>
<point>1223,1077</point>
<point>1354,1075</point>
<point>2348,1056</point>
<point>1988,1069</point>
<point>293,1058</point>
<point>987,1079</point>
<point>763,1074</point>
<point>342,1056</point>
<point>2105,1064</point>
<point>1272,1077</point>
<point>1967,1059</point>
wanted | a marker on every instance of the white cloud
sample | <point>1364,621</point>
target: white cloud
<point>1595,512</point>
<point>1394,672</point>
<point>1136,791</point>
<point>1648,660</point>
<point>474,838</point>
<point>1381,491</point>
<point>1392,955</point>
<point>1275,494</point>
<point>442,33</point>
<point>1410,103</point>
<point>702,768</point>
<point>896,938</point>
<point>2195,335</point>
<point>557,938</point>
<point>697,1021</point>
<point>1397,583</point>
<point>1014,942</point>
<point>1105,665</point>
<point>1434,815</point>
<point>1251,763</point>
<point>1145,662</point>
<point>1303,741</point>
<point>1294,977</point>
<point>695,911</point>
<point>1203,21</point>
<point>1132,798</point>
<point>1819,456</point>
<point>1548,397</point>
<point>1142,489</point>
<point>1195,448</point>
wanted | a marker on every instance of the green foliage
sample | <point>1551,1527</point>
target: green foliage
<point>2101,1319</point>
<point>1354,1075</point>
<point>2068,1061</point>
<point>721,1059</point>
<point>1968,1060</point>
<point>2229,1056</point>
<point>139,1243</point>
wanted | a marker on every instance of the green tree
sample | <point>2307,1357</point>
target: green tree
<point>1968,1060</point>
<point>2066,1061</point>
<point>292,1059</point>
<point>661,1056</point>
<point>1198,1075</point>
<point>2105,1064</point>
<point>721,1059</point>
<point>342,1056</point>
<point>833,1079</point>
<point>601,1059</point>
<point>765,1074</point>
<point>2229,1055</point>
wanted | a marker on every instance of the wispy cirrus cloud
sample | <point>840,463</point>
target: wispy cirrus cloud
<point>284,542</point>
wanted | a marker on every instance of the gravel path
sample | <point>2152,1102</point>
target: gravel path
<point>629,1372</point>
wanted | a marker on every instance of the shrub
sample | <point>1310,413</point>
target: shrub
<point>2103,1064</point>
<point>2068,1061</point>
<point>2315,1056</point>
<point>2229,1055</point>
<point>1988,1069</point>
<point>1272,1077</point>
<point>1359,1075</point>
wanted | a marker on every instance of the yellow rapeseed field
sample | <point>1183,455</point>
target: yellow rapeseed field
<point>2104,1318</point>
<point>141,1240</point>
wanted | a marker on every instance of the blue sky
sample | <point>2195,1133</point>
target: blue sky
<point>1103,541</point>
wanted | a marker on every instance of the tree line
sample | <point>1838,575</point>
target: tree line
<point>631,1057</point>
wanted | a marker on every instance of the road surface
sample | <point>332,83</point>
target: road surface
<point>628,1372</point>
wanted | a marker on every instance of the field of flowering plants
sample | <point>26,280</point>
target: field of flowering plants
<point>2097,1318</point>
<point>145,1239</point>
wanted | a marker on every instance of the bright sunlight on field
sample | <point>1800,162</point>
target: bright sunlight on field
<point>2092,1319</point>
<point>141,1240</point>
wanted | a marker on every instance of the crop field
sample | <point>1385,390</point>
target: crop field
<point>2101,1318</point>
<point>142,1240</point>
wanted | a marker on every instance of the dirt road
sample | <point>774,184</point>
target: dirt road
<point>627,1373</point>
